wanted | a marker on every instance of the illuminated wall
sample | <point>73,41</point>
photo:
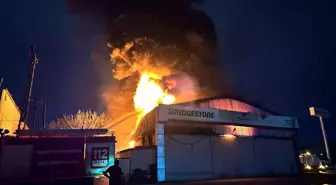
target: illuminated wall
<point>239,130</point>
<point>227,104</point>
<point>231,105</point>
<point>9,112</point>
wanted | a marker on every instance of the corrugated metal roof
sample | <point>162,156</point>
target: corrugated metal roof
<point>256,106</point>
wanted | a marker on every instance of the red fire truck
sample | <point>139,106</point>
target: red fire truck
<point>56,154</point>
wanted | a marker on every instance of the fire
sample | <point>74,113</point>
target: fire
<point>132,144</point>
<point>150,94</point>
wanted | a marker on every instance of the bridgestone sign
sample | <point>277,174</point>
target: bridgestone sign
<point>165,113</point>
<point>190,113</point>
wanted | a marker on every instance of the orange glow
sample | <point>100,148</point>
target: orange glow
<point>240,130</point>
<point>228,136</point>
<point>9,112</point>
<point>132,144</point>
<point>149,94</point>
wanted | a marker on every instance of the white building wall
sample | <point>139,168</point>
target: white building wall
<point>142,158</point>
<point>187,157</point>
<point>201,157</point>
<point>137,158</point>
<point>278,156</point>
<point>253,157</point>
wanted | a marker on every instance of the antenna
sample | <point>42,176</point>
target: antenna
<point>25,110</point>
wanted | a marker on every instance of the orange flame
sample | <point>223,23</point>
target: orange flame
<point>149,94</point>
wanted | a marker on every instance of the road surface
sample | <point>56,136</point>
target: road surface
<point>304,180</point>
<point>308,180</point>
<point>252,181</point>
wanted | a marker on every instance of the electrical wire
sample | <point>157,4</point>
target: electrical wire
<point>183,143</point>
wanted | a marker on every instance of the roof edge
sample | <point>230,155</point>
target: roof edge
<point>233,98</point>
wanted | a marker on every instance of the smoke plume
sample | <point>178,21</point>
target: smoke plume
<point>167,37</point>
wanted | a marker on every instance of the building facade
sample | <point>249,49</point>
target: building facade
<point>218,138</point>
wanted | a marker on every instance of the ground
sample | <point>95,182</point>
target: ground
<point>302,180</point>
<point>252,181</point>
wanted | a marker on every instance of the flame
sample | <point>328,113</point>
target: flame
<point>149,94</point>
<point>132,144</point>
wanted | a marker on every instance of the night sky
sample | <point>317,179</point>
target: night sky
<point>279,54</point>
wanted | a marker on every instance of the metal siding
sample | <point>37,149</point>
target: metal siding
<point>142,158</point>
<point>234,158</point>
<point>246,159</point>
<point>231,105</point>
<point>191,157</point>
<point>253,157</point>
<point>224,161</point>
<point>188,157</point>
<point>278,155</point>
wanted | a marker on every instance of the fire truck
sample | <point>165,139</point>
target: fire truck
<point>51,155</point>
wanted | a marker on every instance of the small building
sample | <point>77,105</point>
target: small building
<point>216,138</point>
<point>9,112</point>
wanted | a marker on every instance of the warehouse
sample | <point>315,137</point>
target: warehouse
<point>216,137</point>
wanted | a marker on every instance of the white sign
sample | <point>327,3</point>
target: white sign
<point>176,112</point>
<point>318,112</point>
<point>99,156</point>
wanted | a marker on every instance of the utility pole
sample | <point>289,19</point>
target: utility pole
<point>25,111</point>
<point>325,138</point>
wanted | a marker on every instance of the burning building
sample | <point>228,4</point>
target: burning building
<point>164,53</point>
<point>211,138</point>
<point>160,53</point>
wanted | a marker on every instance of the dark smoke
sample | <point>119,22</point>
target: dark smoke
<point>176,34</point>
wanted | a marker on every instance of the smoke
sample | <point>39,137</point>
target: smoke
<point>166,37</point>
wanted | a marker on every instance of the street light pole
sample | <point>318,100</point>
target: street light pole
<point>325,139</point>
<point>321,113</point>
